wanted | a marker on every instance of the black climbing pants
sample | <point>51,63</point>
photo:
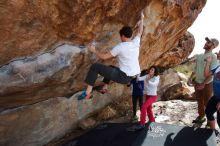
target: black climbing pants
<point>108,72</point>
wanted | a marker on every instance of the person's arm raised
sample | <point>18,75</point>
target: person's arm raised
<point>140,25</point>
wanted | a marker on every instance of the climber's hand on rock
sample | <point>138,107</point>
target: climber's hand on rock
<point>91,48</point>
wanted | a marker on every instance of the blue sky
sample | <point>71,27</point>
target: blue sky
<point>206,24</point>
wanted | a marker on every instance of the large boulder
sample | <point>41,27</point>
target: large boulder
<point>178,91</point>
<point>37,124</point>
<point>42,44</point>
<point>173,85</point>
<point>43,57</point>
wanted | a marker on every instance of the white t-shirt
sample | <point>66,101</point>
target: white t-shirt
<point>150,86</point>
<point>127,54</point>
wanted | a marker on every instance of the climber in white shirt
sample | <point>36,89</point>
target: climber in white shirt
<point>127,55</point>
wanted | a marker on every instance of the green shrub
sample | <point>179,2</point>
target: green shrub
<point>185,69</point>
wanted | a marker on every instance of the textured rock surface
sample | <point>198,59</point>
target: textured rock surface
<point>39,123</point>
<point>179,91</point>
<point>32,32</point>
<point>31,27</point>
<point>42,56</point>
<point>173,85</point>
<point>179,53</point>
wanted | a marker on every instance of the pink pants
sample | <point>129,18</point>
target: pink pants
<point>147,109</point>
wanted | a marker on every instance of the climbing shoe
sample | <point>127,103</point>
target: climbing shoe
<point>199,120</point>
<point>100,89</point>
<point>83,95</point>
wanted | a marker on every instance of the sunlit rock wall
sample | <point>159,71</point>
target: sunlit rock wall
<point>42,45</point>
<point>43,54</point>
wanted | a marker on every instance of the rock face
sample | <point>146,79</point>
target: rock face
<point>32,27</point>
<point>43,55</point>
<point>40,123</point>
<point>42,42</point>
<point>179,53</point>
<point>173,85</point>
<point>178,91</point>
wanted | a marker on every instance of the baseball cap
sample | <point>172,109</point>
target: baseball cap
<point>213,40</point>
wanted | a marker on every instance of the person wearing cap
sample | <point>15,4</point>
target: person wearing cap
<point>203,85</point>
<point>127,55</point>
<point>214,103</point>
